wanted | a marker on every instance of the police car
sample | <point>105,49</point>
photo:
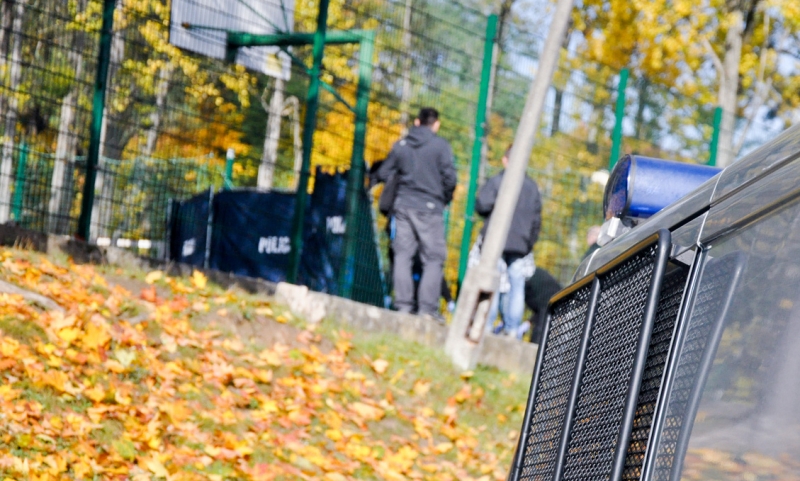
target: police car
<point>675,354</point>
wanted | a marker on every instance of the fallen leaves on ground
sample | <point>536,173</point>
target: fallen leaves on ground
<point>708,463</point>
<point>122,386</point>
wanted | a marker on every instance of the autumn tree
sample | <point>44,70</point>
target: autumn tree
<point>720,52</point>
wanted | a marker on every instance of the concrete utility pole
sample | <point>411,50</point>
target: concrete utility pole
<point>480,284</point>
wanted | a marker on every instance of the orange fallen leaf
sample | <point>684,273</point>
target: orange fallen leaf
<point>95,393</point>
<point>55,379</point>
<point>442,448</point>
<point>96,336</point>
<point>421,388</point>
<point>264,377</point>
<point>149,294</point>
<point>199,280</point>
<point>366,411</point>
<point>69,334</point>
<point>380,365</point>
<point>156,467</point>
<point>153,277</point>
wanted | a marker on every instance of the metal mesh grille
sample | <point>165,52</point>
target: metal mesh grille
<point>716,280</point>
<point>609,364</point>
<point>668,305</point>
<point>558,368</point>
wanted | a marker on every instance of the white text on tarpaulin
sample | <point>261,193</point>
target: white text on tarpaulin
<point>188,247</point>
<point>274,245</point>
<point>335,224</point>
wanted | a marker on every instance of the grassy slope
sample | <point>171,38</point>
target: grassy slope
<point>158,384</point>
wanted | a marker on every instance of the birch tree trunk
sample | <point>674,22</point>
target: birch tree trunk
<point>164,77</point>
<point>101,212</point>
<point>269,157</point>
<point>66,142</point>
<point>292,106</point>
<point>11,115</point>
<point>728,87</point>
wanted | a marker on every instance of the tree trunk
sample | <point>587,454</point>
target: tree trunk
<point>405,95</point>
<point>293,106</point>
<point>555,126</point>
<point>11,115</point>
<point>104,181</point>
<point>642,103</point>
<point>155,117</point>
<point>66,143</point>
<point>269,157</point>
<point>597,116</point>
<point>728,88</point>
<point>5,25</point>
<point>65,150</point>
<point>112,149</point>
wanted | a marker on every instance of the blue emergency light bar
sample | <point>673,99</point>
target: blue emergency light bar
<point>638,187</point>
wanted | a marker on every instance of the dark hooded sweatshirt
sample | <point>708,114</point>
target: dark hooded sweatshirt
<point>424,162</point>
<point>527,217</point>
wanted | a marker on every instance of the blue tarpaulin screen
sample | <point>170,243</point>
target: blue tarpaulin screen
<point>252,233</point>
<point>189,230</point>
<point>252,237</point>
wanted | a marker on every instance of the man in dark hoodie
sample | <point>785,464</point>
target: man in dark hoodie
<point>517,264</point>
<point>426,179</point>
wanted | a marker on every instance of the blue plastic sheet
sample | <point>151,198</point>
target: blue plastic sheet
<point>251,236</point>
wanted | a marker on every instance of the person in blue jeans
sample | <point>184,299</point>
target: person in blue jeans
<point>516,264</point>
<point>510,298</point>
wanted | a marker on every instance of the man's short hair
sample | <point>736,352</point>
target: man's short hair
<point>507,153</point>
<point>428,116</point>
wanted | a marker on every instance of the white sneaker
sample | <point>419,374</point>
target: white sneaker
<point>523,328</point>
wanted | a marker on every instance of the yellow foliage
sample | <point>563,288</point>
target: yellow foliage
<point>665,41</point>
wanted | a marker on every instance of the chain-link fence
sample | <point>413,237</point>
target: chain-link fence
<point>177,123</point>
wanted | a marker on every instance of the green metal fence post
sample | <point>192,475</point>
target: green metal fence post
<point>712,158</point>
<point>619,114</point>
<point>19,185</point>
<point>446,223</point>
<point>480,133</point>
<point>98,107</point>
<point>228,178</point>
<point>355,178</point>
<point>309,125</point>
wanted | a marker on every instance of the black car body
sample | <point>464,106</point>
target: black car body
<point>676,353</point>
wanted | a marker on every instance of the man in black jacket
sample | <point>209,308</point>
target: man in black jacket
<point>516,264</point>
<point>426,179</point>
